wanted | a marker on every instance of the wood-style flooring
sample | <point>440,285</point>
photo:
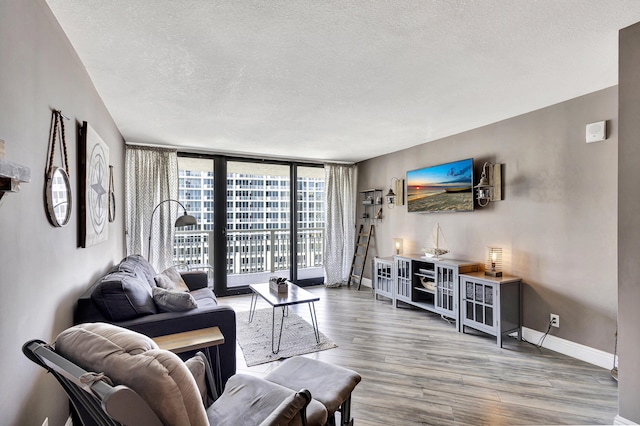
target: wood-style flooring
<point>417,370</point>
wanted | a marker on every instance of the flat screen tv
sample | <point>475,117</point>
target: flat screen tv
<point>443,188</point>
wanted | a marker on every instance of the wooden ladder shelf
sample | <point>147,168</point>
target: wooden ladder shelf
<point>360,255</point>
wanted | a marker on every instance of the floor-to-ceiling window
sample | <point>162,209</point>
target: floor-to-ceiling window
<point>258,222</point>
<point>309,223</point>
<point>263,228</point>
<point>195,192</point>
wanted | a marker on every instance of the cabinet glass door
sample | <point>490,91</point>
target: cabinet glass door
<point>445,288</point>
<point>403,277</point>
<point>479,303</point>
<point>383,280</point>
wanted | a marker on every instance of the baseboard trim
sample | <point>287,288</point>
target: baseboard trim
<point>618,420</point>
<point>366,282</point>
<point>575,350</point>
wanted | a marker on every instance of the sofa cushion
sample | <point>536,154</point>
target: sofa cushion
<point>121,296</point>
<point>173,301</point>
<point>170,279</point>
<point>135,264</point>
<point>134,360</point>
<point>204,297</point>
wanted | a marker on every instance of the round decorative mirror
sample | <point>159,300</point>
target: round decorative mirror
<point>58,195</point>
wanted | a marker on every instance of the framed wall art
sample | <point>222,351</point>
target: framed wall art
<point>93,184</point>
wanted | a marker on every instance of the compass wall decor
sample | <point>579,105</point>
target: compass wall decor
<point>93,182</point>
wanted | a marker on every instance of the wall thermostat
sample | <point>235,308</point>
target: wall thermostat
<point>596,132</point>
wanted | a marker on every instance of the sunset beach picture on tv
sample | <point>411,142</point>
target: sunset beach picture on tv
<point>442,188</point>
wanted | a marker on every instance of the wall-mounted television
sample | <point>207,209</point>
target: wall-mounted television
<point>442,188</point>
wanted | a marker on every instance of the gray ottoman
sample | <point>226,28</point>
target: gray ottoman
<point>329,384</point>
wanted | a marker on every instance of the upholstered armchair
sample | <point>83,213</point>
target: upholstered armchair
<point>117,376</point>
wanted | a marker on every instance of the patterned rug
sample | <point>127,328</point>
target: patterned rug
<point>255,337</point>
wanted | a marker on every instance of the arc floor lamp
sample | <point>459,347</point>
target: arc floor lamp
<point>181,221</point>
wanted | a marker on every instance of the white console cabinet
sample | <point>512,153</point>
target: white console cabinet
<point>453,288</point>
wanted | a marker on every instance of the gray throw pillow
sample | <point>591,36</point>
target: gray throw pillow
<point>201,371</point>
<point>170,279</point>
<point>173,301</point>
<point>121,296</point>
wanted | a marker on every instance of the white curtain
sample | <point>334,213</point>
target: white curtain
<point>340,222</point>
<point>151,177</point>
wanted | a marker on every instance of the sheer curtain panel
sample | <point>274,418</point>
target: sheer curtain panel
<point>340,222</point>
<point>151,176</point>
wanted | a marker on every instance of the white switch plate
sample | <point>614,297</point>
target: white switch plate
<point>596,132</point>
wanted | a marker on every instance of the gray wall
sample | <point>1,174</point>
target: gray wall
<point>42,272</point>
<point>557,224</point>
<point>629,224</point>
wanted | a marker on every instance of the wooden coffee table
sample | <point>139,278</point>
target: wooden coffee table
<point>294,296</point>
<point>193,340</point>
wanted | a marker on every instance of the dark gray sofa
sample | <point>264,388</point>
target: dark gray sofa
<point>124,297</point>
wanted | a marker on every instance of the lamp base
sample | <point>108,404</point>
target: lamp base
<point>493,273</point>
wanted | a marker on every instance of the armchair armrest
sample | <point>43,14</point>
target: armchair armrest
<point>195,280</point>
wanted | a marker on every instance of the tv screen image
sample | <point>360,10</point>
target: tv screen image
<point>443,188</point>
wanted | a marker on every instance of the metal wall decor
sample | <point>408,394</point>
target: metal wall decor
<point>57,186</point>
<point>112,197</point>
<point>93,182</point>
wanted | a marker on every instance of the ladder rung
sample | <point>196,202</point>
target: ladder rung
<point>356,276</point>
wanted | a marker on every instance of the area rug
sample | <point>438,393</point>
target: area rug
<point>297,337</point>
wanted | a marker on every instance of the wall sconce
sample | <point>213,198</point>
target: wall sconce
<point>391,198</point>
<point>397,245</point>
<point>493,262</point>
<point>490,186</point>
<point>395,196</point>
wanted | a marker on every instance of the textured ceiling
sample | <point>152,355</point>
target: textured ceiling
<point>341,80</point>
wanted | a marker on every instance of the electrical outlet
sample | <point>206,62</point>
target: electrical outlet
<point>555,320</point>
<point>46,421</point>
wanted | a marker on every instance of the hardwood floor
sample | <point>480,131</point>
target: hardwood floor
<point>416,369</point>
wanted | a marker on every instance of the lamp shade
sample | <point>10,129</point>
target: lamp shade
<point>185,220</point>
<point>493,262</point>
<point>397,245</point>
